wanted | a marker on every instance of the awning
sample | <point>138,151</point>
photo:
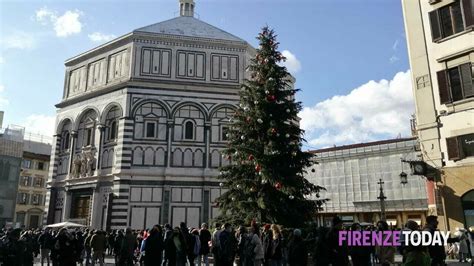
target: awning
<point>64,224</point>
<point>392,222</point>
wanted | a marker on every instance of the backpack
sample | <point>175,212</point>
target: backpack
<point>197,245</point>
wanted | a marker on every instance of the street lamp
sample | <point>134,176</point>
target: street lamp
<point>382,198</point>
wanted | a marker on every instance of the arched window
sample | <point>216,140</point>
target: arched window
<point>86,129</point>
<point>113,130</point>
<point>65,140</point>
<point>111,122</point>
<point>65,135</point>
<point>189,130</point>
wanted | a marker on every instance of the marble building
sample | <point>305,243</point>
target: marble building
<point>141,124</point>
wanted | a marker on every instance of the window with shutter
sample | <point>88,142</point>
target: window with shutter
<point>454,153</point>
<point>467,80</point>
<point>456,17</point>
<point>466,143</point>
<point>455,84</point>
<point>443,87</point>
<point>446,22</point>
<point>434,22</point>
<point>468,10</point>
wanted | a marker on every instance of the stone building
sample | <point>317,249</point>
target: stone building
<point>141,125</point>
<point>351,174</point>
<point>11,150</point>
<point>440,40</point>
<point>30,202</point>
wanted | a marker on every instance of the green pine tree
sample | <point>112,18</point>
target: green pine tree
<point>265,180</point>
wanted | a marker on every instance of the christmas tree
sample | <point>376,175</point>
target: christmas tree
<point>265,180</point>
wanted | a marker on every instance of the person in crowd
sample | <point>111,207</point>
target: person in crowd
<point>98,245</point>
<point>13,248</point>
<point>46,243</point>
<point>65,248</point>
<point>87,247</point>
<point>321,250</point>
<point>179,242</point>
<point>118,246</point>
<point>227,246</point>
<point>285,234</point>
<point>297,252</point>
<point>463,245</point>
<point>216,243</point>
<point>385,254</point>
<point>267,238</point>
<point>204,237</point>
<point>241,238</point>
<point>470,235</point>
<point>127,249</point>
<point>29,245</point>
<point>437,253</point>
<point>413,255</point>
<point>256,240</point>
<point>111,242</point>
<point>166,239</point>
<point>360,255</point>
<point>197,246</point>
<point>79,246</point>
<point>338,255</point>
<point>153,246</point>
<point>276,256</point>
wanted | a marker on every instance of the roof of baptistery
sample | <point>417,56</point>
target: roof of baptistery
<point>190,27</point>
<point>185,26</point>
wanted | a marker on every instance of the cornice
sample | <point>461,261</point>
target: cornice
<point>151,84</point>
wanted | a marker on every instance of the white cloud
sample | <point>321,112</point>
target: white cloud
<point>393,59</point>
<point>45,15</point>
<point>39,124</point>
<point>101,37</point>
<point>372,111</point>
<point>18,40</point>
<point>3,99</point>
<point>2,60</point>
<point>292,63</point>
<point>67,24</point>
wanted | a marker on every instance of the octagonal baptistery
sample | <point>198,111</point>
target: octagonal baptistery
<point>142,123</point>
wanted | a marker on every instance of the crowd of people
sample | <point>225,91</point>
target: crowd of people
<point>156,246</point>
<point>225,245</point>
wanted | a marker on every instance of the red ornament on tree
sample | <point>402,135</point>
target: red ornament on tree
<point>278,185</point>
<point>248,119</point>
<point>271,98</point>
<point>229,157</point>
<point>258,168</point>
<point>251,157</point>
<point>273,130</point>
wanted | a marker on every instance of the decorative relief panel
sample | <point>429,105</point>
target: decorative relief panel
<point>191,65</point>
<point>77,81</point>
<point>118,65</point>
<point>155,62</point>
<point>97,74</point>
<point>224,67</point>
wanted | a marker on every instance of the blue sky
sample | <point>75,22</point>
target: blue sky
<point>349,56</point>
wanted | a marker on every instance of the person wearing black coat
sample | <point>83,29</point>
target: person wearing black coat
<point>154,247</point>
<point>297,252</point>
<point>204,237</point>
<point>65,248</point>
